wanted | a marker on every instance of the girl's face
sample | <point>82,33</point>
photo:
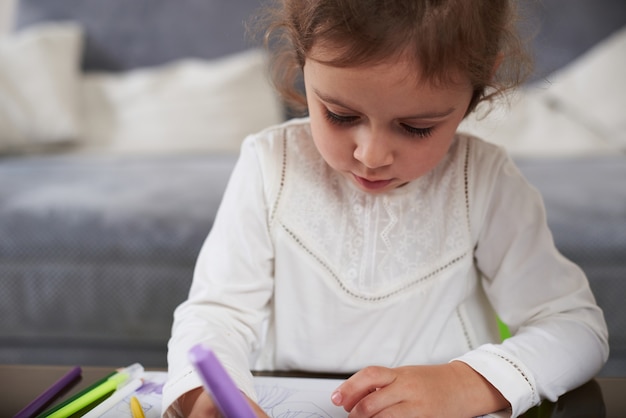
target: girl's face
<point>376,124</point>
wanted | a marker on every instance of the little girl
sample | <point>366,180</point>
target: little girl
<point>373,238</point>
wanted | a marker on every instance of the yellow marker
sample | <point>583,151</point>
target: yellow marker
<point>135,408</point>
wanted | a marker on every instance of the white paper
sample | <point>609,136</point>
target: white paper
<point>280,397</point>
<point>287,397</point>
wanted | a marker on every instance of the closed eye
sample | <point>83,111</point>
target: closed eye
<point>419,132</point>
<point>336,119</point>
<point>345,120</point>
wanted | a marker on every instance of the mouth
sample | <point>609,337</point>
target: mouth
<point>371,184</point>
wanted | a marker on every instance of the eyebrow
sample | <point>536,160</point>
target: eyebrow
<point>329,99</point>
<point>425,115</point>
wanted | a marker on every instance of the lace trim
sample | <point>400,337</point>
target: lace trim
<point>365,248</point>
<point>282,178</point>
<point>468,340</point>
<point>466,185</point>
<point>365,297</point>
<point>518,369</point>
<point>464,326</point>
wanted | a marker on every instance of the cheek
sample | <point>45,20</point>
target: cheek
<point>317,121</point>
<point>419,160</point>
<point>334,148</point>
<point>318,130</point>
<point>331,146</point>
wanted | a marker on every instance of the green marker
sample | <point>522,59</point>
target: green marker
<point>92,396</point>
<point>76,396</point>
<point>93,393</point>
<point>89,397</point>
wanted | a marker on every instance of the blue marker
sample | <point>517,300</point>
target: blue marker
<point>227,397</point>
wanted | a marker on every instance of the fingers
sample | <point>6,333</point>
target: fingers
<point>203,406</point>
<point>398,410</point>
<point>408,391</point>
<point>365,389</point>
<point>198,403</point>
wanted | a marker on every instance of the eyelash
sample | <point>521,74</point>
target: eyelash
<point>336,119</point>
<point>339,120</point>
<point>419,132</point>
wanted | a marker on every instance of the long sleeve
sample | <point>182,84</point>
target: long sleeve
<point>232,285</point>
<point>560,336</point>
<point>302,271</point>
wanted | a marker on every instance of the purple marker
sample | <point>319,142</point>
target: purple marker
<point>229,400</point>
<point>49,394</point>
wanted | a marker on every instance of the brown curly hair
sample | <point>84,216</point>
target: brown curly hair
<point>443,37</point>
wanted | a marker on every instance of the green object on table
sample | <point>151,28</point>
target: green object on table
<point>91,397</point>
<point>87,396</point>
<point>78,395</point>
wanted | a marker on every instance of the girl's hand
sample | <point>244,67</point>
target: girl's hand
<point>449,390</point>
<point>198,404</point>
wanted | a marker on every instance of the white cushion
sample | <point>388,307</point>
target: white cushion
<point>39,86</point>
<point>580,110</point>
<point>593,89</point>
<point>186,106</point>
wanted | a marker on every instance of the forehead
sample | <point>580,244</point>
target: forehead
<point>382,90</point>
<point>398,65</point>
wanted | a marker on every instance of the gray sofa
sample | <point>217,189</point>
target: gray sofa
<point>96,251</point>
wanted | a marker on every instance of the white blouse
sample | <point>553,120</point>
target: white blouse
<point>304,271</point>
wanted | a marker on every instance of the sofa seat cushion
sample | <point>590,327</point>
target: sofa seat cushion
<point>97,251</point>
<point>585,199</point>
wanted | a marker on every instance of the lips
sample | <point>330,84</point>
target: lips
<point>371,184</point>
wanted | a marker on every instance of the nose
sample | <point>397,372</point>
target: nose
<point>373,150</point>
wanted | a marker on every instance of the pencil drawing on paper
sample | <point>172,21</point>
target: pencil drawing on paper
<point>283,402</point>
<point>272,395</point>
<point>300,409</point>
